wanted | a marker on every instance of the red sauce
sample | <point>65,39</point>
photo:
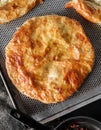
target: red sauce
<point>76,126</point>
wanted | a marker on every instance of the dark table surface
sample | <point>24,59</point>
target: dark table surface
<point>9,123</point>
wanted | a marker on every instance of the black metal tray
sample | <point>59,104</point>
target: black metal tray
<point>83,111</point>
<point>89,92</point>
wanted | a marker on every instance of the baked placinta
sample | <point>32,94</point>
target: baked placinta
<point>49,57</point>
<point>89,9</point>
<point>12,9</point>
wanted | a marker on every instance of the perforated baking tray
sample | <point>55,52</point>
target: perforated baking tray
<point>88,92</point>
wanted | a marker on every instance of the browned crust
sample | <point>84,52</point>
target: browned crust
<point>89,10</point>
<point>15,9</point>
<point>49,57</point>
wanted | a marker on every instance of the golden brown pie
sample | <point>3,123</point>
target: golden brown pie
<point>49,57</point>
<point>12,9</point>
<point>89,9</point>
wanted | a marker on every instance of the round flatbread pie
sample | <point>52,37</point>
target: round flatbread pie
<point>12,9</point>
<point>89,9</point>
<point>49,57</point>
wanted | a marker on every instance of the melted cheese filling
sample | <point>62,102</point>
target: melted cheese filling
<point>4,2</point>
<point>95,3</point>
